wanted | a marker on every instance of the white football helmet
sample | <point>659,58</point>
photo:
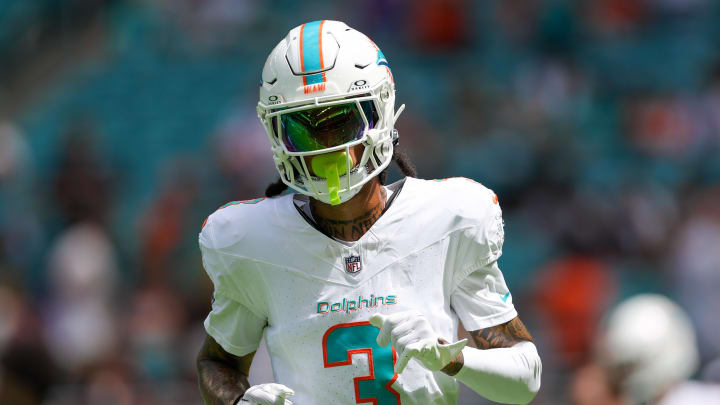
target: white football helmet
<point>325,89</point>
<point>648,347</point>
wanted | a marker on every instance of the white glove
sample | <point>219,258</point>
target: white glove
<point>412,336</point>
<point>266,394</point>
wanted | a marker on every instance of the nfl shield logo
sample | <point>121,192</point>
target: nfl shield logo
<point>353,264</point>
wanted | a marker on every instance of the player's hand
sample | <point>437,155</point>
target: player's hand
<point>412,336</point>
<point>266,394</point>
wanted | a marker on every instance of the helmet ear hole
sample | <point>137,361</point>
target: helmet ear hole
<point>377,154</point>
<point>381,153</point>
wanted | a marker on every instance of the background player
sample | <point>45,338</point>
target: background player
<point>348,266</point>
<point>646,355</point>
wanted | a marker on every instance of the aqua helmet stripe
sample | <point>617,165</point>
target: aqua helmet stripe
<point>311,52</point>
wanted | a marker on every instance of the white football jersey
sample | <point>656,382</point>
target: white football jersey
<point>434,250</point>
<point>692,393</point>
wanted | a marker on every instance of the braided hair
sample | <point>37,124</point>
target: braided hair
<point>400,158</point>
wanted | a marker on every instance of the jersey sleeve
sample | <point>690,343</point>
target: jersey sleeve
<point>237,329</point>
<point>239,312</point>
<point>482,299</point>
<point>478,293</point>
<point>478,238</point>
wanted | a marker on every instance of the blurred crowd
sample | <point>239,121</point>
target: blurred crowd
<point>124,123</point>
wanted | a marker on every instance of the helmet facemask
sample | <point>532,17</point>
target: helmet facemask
<point>330,128</point>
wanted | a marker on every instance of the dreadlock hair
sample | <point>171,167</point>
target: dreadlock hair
<point>402,160</point>
<point>276,188</point>
<point>399,156</point>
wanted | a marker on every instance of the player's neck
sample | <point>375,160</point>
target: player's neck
<point>350,220</point>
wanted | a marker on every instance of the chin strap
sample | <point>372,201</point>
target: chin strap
<point>398,112</point>
<point>331,166</point>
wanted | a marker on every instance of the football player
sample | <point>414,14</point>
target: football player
<point>646,354</point>
<point>357,286</point>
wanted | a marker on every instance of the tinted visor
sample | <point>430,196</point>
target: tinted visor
<point>326,127</point>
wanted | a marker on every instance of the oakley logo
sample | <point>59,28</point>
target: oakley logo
<point>314,88</point>
<point>274,100</point>
<point>359,85</point>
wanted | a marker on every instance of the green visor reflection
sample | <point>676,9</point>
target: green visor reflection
<point>326,126</point>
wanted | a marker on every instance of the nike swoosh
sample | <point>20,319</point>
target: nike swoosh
<point>506,297</point>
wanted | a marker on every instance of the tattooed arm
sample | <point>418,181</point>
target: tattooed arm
<point>505,369</point>
<point>223,377</point>
<point>503,335</point>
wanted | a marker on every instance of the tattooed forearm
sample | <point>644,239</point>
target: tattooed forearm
<point>220,374</point>
<point>504,335</point>
<point>455,364</point>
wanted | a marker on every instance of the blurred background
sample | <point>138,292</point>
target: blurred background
<point>124,123</point>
